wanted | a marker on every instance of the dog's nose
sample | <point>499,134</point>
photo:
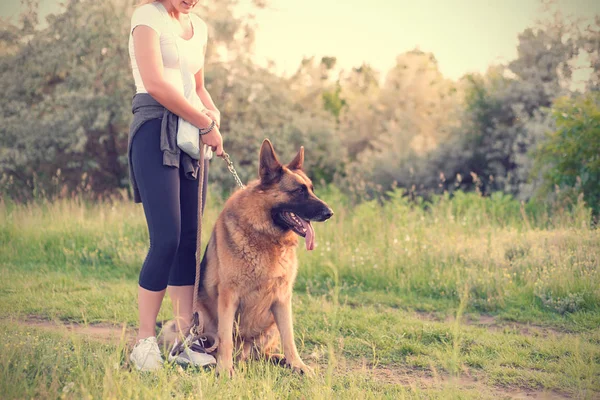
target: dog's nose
<point>328,213</point>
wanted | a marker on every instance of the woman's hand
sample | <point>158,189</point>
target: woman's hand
<point>215,115</point>
<point>214,140</point>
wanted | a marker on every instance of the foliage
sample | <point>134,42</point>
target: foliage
<point>430,136</point>
<point>257,105</point>
<point>505,116</point>
<point>570,158</point>
<point>387,126</point>
<point>66,99</point>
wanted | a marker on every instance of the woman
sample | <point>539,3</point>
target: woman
<point>164,179</point>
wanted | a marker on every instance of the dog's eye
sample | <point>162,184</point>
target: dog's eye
<point>301,189</point>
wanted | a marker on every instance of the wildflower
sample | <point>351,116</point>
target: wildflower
<point>68,387</point>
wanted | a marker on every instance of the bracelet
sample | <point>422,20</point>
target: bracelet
<point>206,130</point>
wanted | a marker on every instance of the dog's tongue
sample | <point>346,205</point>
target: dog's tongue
<point>310,234</point>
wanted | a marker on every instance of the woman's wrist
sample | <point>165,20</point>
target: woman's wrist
<point>203,121</point>
<point>214,115</point>
<point>208,129</point>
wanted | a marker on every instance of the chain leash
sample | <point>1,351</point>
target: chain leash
<point>231,169</point>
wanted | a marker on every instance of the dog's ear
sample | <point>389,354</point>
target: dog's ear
<point>270,169</point>
<point>298,161</point>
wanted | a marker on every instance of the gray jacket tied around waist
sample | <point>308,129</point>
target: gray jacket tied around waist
<point>144,109</point>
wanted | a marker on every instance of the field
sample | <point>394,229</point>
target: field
<point>467,297</point>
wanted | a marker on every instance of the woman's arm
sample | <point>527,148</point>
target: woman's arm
<point>203,93</point>
<point>149,61</point>
<point>205,97</point>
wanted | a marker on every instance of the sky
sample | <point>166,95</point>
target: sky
<point>464,35</point>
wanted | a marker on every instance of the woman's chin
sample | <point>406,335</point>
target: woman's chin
<point>185,8</point>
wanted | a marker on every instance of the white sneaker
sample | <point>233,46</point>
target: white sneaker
<point>191,357</point>
<point>146,355</point>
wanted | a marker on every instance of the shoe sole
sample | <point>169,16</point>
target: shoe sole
<point>185,362</point>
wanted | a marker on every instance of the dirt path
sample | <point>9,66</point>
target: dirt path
<point>101,332</point>
<point>493,324</point>
<point>423,380</point>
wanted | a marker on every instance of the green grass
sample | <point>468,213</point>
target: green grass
<point>467,297</point>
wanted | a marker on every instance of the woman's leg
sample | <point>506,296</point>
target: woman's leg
<point>181,298</point>
<point>148,307</point>
<point>159,190</point>
<point>183,273</point>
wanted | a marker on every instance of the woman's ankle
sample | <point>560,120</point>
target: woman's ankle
<point>145,333</point>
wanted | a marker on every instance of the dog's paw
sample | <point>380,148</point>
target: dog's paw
<point>300,368</point>
<point>223,370</point>
<point>277,359</point>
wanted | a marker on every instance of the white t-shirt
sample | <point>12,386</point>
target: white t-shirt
<point>193,49</point>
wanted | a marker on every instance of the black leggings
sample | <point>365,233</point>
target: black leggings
<point>170,203</point>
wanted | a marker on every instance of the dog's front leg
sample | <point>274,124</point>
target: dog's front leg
<point>282,311</point>
<point>228,303</point>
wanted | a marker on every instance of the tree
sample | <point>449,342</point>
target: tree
<point>66,88</point>
<point>506,115</point>
<point>257,105</point>
<point>388,127</point>
<point>358,120</point>
<point>570,158</point>
<point>589,41</point>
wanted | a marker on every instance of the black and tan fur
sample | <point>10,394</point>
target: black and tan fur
<point>250,263</point>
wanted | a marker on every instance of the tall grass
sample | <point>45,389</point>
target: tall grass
<point>507,253</point>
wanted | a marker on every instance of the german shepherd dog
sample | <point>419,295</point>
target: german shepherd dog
<point>250,263</point>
